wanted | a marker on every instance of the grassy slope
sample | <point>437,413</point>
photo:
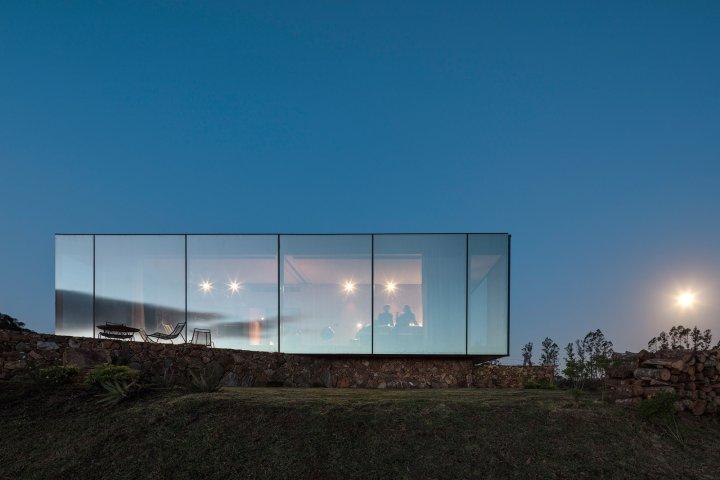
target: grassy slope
<point>284,433</point>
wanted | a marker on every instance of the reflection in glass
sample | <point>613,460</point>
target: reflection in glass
<point>140,281</point>
<point>74,285</point>
<point>488,294</point>
<point>419,294</point>
<point>325,294</point>
<point>232,289</point>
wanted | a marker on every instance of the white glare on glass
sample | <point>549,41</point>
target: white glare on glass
<point>390,287</point>
<point>206,286</point>
<point>349,287</point>
<point>234,286</point>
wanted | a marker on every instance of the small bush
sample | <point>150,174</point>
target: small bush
<point>660,410</point>
<point>57,375</point>
<point>576,393</point>
<point>205,380</point>
<point>117,391</point>
<point>659,407</point>
<point>107,373</point>
<point>542,384</point>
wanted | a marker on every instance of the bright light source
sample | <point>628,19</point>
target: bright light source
<point>390,286</point>
<point>206,286</point>
<point>686,299</point>
<point>359,326</point>
<point>349,287</point>
<point>234,286</point>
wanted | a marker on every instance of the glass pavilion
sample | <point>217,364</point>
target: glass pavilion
<point>381,294</point>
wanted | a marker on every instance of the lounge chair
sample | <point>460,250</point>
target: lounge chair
<point>178,331</point>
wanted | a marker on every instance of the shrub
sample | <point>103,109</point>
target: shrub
<point>205,380</point>
<point>107,373</point>
<point>57,375</point>
<point>542,384</point>
<point>9,323</point>
<point>659,407</point>
<point>117,391</point>
<point>576,393</point>
<point>660,410</point>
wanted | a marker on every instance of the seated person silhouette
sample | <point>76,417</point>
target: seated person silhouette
<point>385,318</point>
<point>406,318</point>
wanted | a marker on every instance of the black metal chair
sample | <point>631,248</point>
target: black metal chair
<point>178,331</point>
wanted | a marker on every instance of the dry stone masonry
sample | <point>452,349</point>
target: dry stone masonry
<point>22,352</point>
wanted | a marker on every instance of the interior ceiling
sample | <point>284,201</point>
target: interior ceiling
<point>406,270</point>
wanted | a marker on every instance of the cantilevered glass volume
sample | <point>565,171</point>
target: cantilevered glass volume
<point>379,294</point>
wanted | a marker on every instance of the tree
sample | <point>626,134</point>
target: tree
<point>660,342</point>
<point>549,353</point>
<point>527,354</point>
<point>701,340</point>
<point>573,367</point>
<point>587,358</point>
<point>680,337</point>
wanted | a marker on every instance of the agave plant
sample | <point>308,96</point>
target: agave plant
<point>117,391</point>
<point>204,381</point>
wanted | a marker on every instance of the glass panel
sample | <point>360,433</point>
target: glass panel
<point>140,281</point>
<point>488,294</point>
<point>420,294</point>
<point>325,294</point>
<point>233,290</point>
<point>74,285</point>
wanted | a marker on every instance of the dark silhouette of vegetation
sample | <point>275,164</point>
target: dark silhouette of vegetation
<point>549,353</point>
<point>527,354</point>
<point>660,410</point>
<point>10,323</point>
<point>107,374</point>
<point>57,375</point>
<point>680,337</point>
<point>586,359</point>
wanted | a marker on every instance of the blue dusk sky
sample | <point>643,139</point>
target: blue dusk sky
<point>588,130</point>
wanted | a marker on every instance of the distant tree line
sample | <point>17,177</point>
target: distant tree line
<point>680,337</point>
<point>586,359</point>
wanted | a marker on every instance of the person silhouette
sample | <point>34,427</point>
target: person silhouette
<point>385,318</point>
<point>406,318</point>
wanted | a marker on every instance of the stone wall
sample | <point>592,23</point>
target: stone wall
<point>22,352</point>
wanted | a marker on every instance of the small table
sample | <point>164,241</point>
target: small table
<point>117,331</point>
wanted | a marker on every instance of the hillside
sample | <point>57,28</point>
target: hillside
<point>343,434</point>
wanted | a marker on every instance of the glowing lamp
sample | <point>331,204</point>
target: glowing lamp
<point>349,287</point>
<point>234,286</point>
<point>206,286</point>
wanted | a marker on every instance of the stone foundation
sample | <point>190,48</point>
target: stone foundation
<point>22,352</point>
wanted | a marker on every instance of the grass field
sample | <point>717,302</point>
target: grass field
<point>343,434</point>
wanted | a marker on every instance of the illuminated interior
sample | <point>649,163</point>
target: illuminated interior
<point>385,294</point>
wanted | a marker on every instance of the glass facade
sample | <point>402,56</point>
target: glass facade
<point>140,281</point>
<point>232,289</point>
<point>383,294</point>
<point>74,285</point>
<point>488,270</point>
<point>420,294</point>
<point>325,293</point>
